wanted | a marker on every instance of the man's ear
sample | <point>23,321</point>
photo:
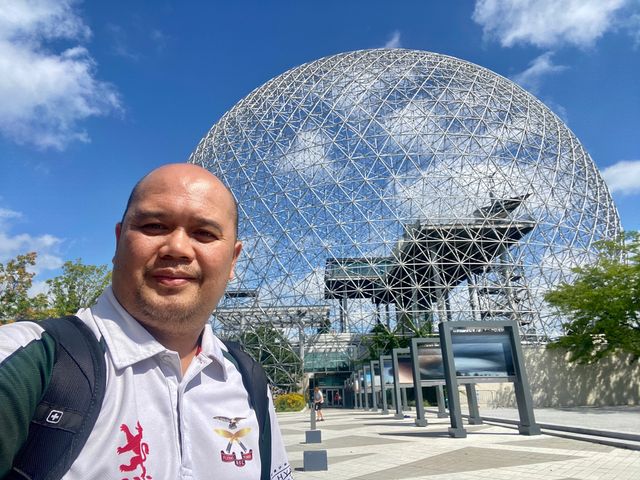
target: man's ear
<point>118,233</point>
<point>236,253</point>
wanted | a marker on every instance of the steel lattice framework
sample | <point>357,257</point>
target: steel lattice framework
<point>401,187</point>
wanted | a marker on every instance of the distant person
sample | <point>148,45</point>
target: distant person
<point>175,405</point>
<point>318,400</point>
<point>337,400</point>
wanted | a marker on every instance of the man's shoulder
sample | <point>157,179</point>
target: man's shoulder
<point>22,334</point>
<point>18,335</point>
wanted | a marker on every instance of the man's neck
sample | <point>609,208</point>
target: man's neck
<point>186,344</point>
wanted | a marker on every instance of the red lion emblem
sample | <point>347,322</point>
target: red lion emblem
<point>140,451</point>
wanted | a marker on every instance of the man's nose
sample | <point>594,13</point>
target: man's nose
<point>177,245</point>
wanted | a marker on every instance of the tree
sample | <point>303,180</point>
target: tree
<point>382,340</point>
<point>15,282</point>
<point>78,286</point>
<point>273,350</point>
<point>602,304</point>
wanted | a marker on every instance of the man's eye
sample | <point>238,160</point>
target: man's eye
<point>153,227</point>
<point>205,235</point>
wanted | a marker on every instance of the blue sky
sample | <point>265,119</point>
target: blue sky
<point>95,94</point>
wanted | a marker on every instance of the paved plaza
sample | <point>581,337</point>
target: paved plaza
<point>372,446</point>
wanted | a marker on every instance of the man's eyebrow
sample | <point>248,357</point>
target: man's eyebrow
<point>161,215</point>
<point>141,214</point>
<point>208,222</point>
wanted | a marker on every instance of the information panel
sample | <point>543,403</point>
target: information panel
<point>387,371</point>
<point>376,375</point>
<point>484,354</point>
<point>476,354</point>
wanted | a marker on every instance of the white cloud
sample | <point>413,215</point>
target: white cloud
<point>44,95</point>
<point>6,214</point>
<point>623,177</point>
<point>12,245</point>
<point>632,26</point>
<point>38,287</point>
<point>543,65</point>
<point>394,41</point>
<point>41,19</point>
<point>120,44</point>
<point>159,39</point>
<point>548,23</point>
<point>308,156</point>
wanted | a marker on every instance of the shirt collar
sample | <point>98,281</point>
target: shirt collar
<point>130,343</point>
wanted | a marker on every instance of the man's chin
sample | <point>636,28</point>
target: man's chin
<point>168,307</point>
<point>169,290</point>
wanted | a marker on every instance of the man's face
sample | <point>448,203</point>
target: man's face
<point>176,249</point>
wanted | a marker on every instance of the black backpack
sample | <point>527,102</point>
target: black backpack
<point>71,404</point>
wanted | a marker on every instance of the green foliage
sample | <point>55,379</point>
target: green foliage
<point>271,348</point>
<point>79,286</point>
<point>382,340</point>
<point>602,304</point>
<point>289,402</point>
<point>15,282</point>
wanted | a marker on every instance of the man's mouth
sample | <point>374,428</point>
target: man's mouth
<point>172,279</point>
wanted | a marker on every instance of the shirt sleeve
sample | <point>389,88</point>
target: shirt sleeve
<point>280,468</point>
<point>26,362</point>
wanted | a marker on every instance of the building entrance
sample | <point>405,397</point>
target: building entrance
<point>334,397</point>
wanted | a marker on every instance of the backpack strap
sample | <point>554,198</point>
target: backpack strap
<point>70,406</point>
<point>255,382</point>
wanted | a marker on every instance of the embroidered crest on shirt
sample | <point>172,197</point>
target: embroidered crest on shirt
<point>138,448</point>
<point>233,422</point>
<point>245,455</point>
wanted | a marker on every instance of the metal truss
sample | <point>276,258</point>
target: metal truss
<point>406,188</point>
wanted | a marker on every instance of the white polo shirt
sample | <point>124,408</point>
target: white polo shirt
<point>156,423</point>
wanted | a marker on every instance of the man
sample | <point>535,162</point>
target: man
<point>318,400</point>
<point>175,406</point>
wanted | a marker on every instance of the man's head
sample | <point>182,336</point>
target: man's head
<point>134,194</point>
<point>176,248</point>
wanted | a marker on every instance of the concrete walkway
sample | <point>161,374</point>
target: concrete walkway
<point>618,419</point>
<point>372,446</point>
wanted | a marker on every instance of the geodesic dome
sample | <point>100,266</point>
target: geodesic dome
<point>404,188</point>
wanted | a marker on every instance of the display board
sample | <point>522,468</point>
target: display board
<point>405,378</point>
<point>375,366</point>
<point>367,374</point>
<point>482,354</point>
<point>387,371</point>
<point>476,354</point>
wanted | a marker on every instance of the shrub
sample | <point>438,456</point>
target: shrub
<point>289,402</point>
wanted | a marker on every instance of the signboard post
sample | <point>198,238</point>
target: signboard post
<point>472,402</point>
<point>386,368</point>
<point>416,370</point>
<point>428,371</point>
<point>397,390</point>
<point>442,411</point>
<point>528,425</point>
<point>456,430</point>
<point>361,389</point>
<point>374,400</point>
<point>366,369</point>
